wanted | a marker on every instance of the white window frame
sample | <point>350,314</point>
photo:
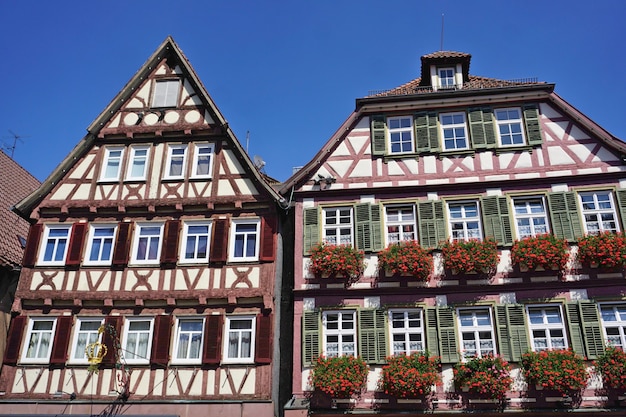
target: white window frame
<point>133,158</point>
<point>90,333</point>
<point>399,222</point>
<point>29,335</point>
<point>186,235</point>
<point>611,318</point>
<point>138,236</point>
<point>91,238</point>
<point>597,211</point>
<point>547,327</point>
<point>132,357</point>
<point>185,361</point>
<point>465,232</point>
<point>235,234</point>
<point>402,132</point>
<point>477,331</point>
<point>196,159</point>
<point>162,96</point>
<point>406,330</point>
<point>441,71</point>
<point>452,127</point>
<point>46,236</point>
<point>340,213</point>
<point>239,335</point>
<point>340,333</point>
<point>508,124</point>
<point>107,160</point>
<point>168,162</point>
<point>530,215</point>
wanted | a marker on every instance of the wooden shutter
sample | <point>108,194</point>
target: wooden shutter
<point>533,127</point>
<point>219,245</point>
<point>432,225</point>
<point>378,128</point>
<point>32,244</point>
<point>432,333</point>
<point>448,347</point>
<point>75,248</point>
<point>310,337</point>
<point>584,328</point>
<point>268,239</point>
<point>311,230</point>
<point>621,204</point>
<point>122,244</point>
<point>212,352</point>
<point>169,252</point>
<point>61,340</point>
<point>564,215</point>
<point>481,128</point>
<point>162,335</point>
<point>111,339</point>
<point>263,346</point>
<point>368,227</point>
<point>512,334</point>
<point>14,340</point>
<point>372,340</point>
<point>496,219</point>
<point>426,134</point>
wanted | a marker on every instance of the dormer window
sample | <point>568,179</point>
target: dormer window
<point>446,78</point>
<point>165,93</point>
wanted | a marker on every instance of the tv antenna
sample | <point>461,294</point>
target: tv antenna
<point>441,44</point>
<point>15,138</point>
<point>259,163</point>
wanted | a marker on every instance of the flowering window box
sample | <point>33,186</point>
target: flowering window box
<point>330,261</point>
<point>605,250</point>
<point>470,257</point>
<point>487,376</point>
<point>409,377</point>
<point>545,252</point>
<point>341,377</point>
<point>562,371</point>
<point>405,259</point>
<point>611,367</point>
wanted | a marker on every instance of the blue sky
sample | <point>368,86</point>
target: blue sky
<point>289,71</point>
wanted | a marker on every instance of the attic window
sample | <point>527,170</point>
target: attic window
<point>165,93</point>
<point>446,77</point>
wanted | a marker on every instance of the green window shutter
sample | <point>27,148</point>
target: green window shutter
<point>311,229</point>
<point>512,333</point>
<point>310,337</point>
<point>621,204</point>
<point>426,135</point>
<point>564,215</point>
<point>432,224</point>
<point>574,323</point>
<point>432,334</point>
<point>378,131</point>
<point>585,329</point>
<point>533,127</point>
<point>368,227</point>
<point>372,340</point>
<point>376,228</point>
<point>496,219</point>
<point>481,128</point>
<point>447,336</point>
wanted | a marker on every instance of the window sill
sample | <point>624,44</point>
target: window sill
<point>108,181</point>
<point>453,153</point>
<point>134,180</point>
<point>209,178</point>
<point>235,363</point>
<point>516,148</point>
<point>172,179</point>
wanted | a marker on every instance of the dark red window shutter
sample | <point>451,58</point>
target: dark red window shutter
<point>14,340</point>
<point>161,340</point>
<point>263,347</point>
<point>32,244</point>
<point>61,340</point>
<point>111,339</point>
<point>212,353</point>
<point>169,253</point>
<point>122,244</point>
<point>77,240</point>
<point>268,233</point>
<point>219,246</point>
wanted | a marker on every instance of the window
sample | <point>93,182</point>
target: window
<point>530,216</point>
<point>188,342</point>
<point>338,225</point>
<point>55,243</point>
<point>614,324</point>
<point>196,238</point>
<point>407,331</point>
<point>176,164</point>
<point>509,123</point>
<point>138,163</point>
<point>547,330</point>
<point>477,336</point>
<point>111,164</point>
<point>147,243</point>
<point>137,340</point>
<point>239,340</point>
<point>599,212</point>
<point>203,160</point>
<point>453,131</point>
<point>446,77</point>
<point>244,242</point>
<point>85,333</point>
<point>400,223</point>
<point>339,329</point>
<point>165,93</point>
<point>38,340</point>
<point>100,244</point>
<point>464,220</point>
<point>400,134</point>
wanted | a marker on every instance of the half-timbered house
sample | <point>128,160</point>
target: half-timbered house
<point>156,237</point>
<point>454,157</point>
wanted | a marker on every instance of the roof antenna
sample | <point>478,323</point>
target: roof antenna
<point>15,137</point>
<point>441,45</point>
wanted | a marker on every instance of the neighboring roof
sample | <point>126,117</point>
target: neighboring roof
<point>15,184</point>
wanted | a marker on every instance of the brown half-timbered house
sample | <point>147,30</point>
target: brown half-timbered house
<point>156,237</point>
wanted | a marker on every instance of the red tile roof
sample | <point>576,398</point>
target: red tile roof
<point>446,54</point>
<point>15,184</point>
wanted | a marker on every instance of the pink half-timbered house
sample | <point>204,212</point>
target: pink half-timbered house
<point>453,157</point>
<point>156,237</point>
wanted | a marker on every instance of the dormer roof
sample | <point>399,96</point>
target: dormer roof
<point>442,59</point>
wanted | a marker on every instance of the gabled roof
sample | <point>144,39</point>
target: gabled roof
<point>166,49</point>
<point>15,184</point>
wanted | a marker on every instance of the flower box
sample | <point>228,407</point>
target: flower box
<point>611,367</point>
<point>409,377</point>
<point>545,252</point>
<point>472,256</point>
<point>336,261</point>
<point>604,250</point>
<point>406,259</point>
<point>561,370</point>
<point>339,377</point>
<point>487,376</point>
